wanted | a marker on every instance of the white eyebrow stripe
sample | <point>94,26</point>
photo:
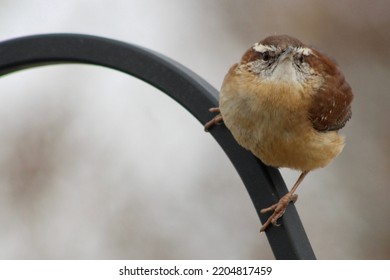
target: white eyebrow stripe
<point>303,50</point>
<point>262,48</point>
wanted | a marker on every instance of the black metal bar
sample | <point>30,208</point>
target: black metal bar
<point>263,183</point>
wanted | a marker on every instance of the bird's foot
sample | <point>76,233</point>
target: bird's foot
<point>278,210</point>
<point>214,121</point>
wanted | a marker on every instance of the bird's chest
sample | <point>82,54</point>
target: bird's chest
<point>270,123</point>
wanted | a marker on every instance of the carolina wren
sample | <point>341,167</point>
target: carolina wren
<point>285,102</point>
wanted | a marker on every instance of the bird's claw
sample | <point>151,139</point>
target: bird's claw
<point>214,110</point>
<point>278,210</point>
<point>214,121</point>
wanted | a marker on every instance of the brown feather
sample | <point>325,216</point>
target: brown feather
<point>331,105</point>
<point>282,41</point>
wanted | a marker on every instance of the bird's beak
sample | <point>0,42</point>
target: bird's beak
<point>286,54</point>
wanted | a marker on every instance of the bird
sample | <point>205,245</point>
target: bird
<point>285,101</point>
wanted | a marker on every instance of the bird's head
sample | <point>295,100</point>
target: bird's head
<point>283,58</point>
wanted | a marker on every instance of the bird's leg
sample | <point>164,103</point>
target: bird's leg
<point>216,120</point>
<point>280,207</point>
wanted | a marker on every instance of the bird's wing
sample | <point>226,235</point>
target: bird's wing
<point>331,106</point>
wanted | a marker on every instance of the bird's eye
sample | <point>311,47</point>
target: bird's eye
<point>301,58</point>
<point>266,56</point>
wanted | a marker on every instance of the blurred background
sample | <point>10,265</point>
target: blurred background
<point>95,164</point>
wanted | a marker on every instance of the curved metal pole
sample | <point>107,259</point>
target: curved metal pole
<point>264,184</point>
